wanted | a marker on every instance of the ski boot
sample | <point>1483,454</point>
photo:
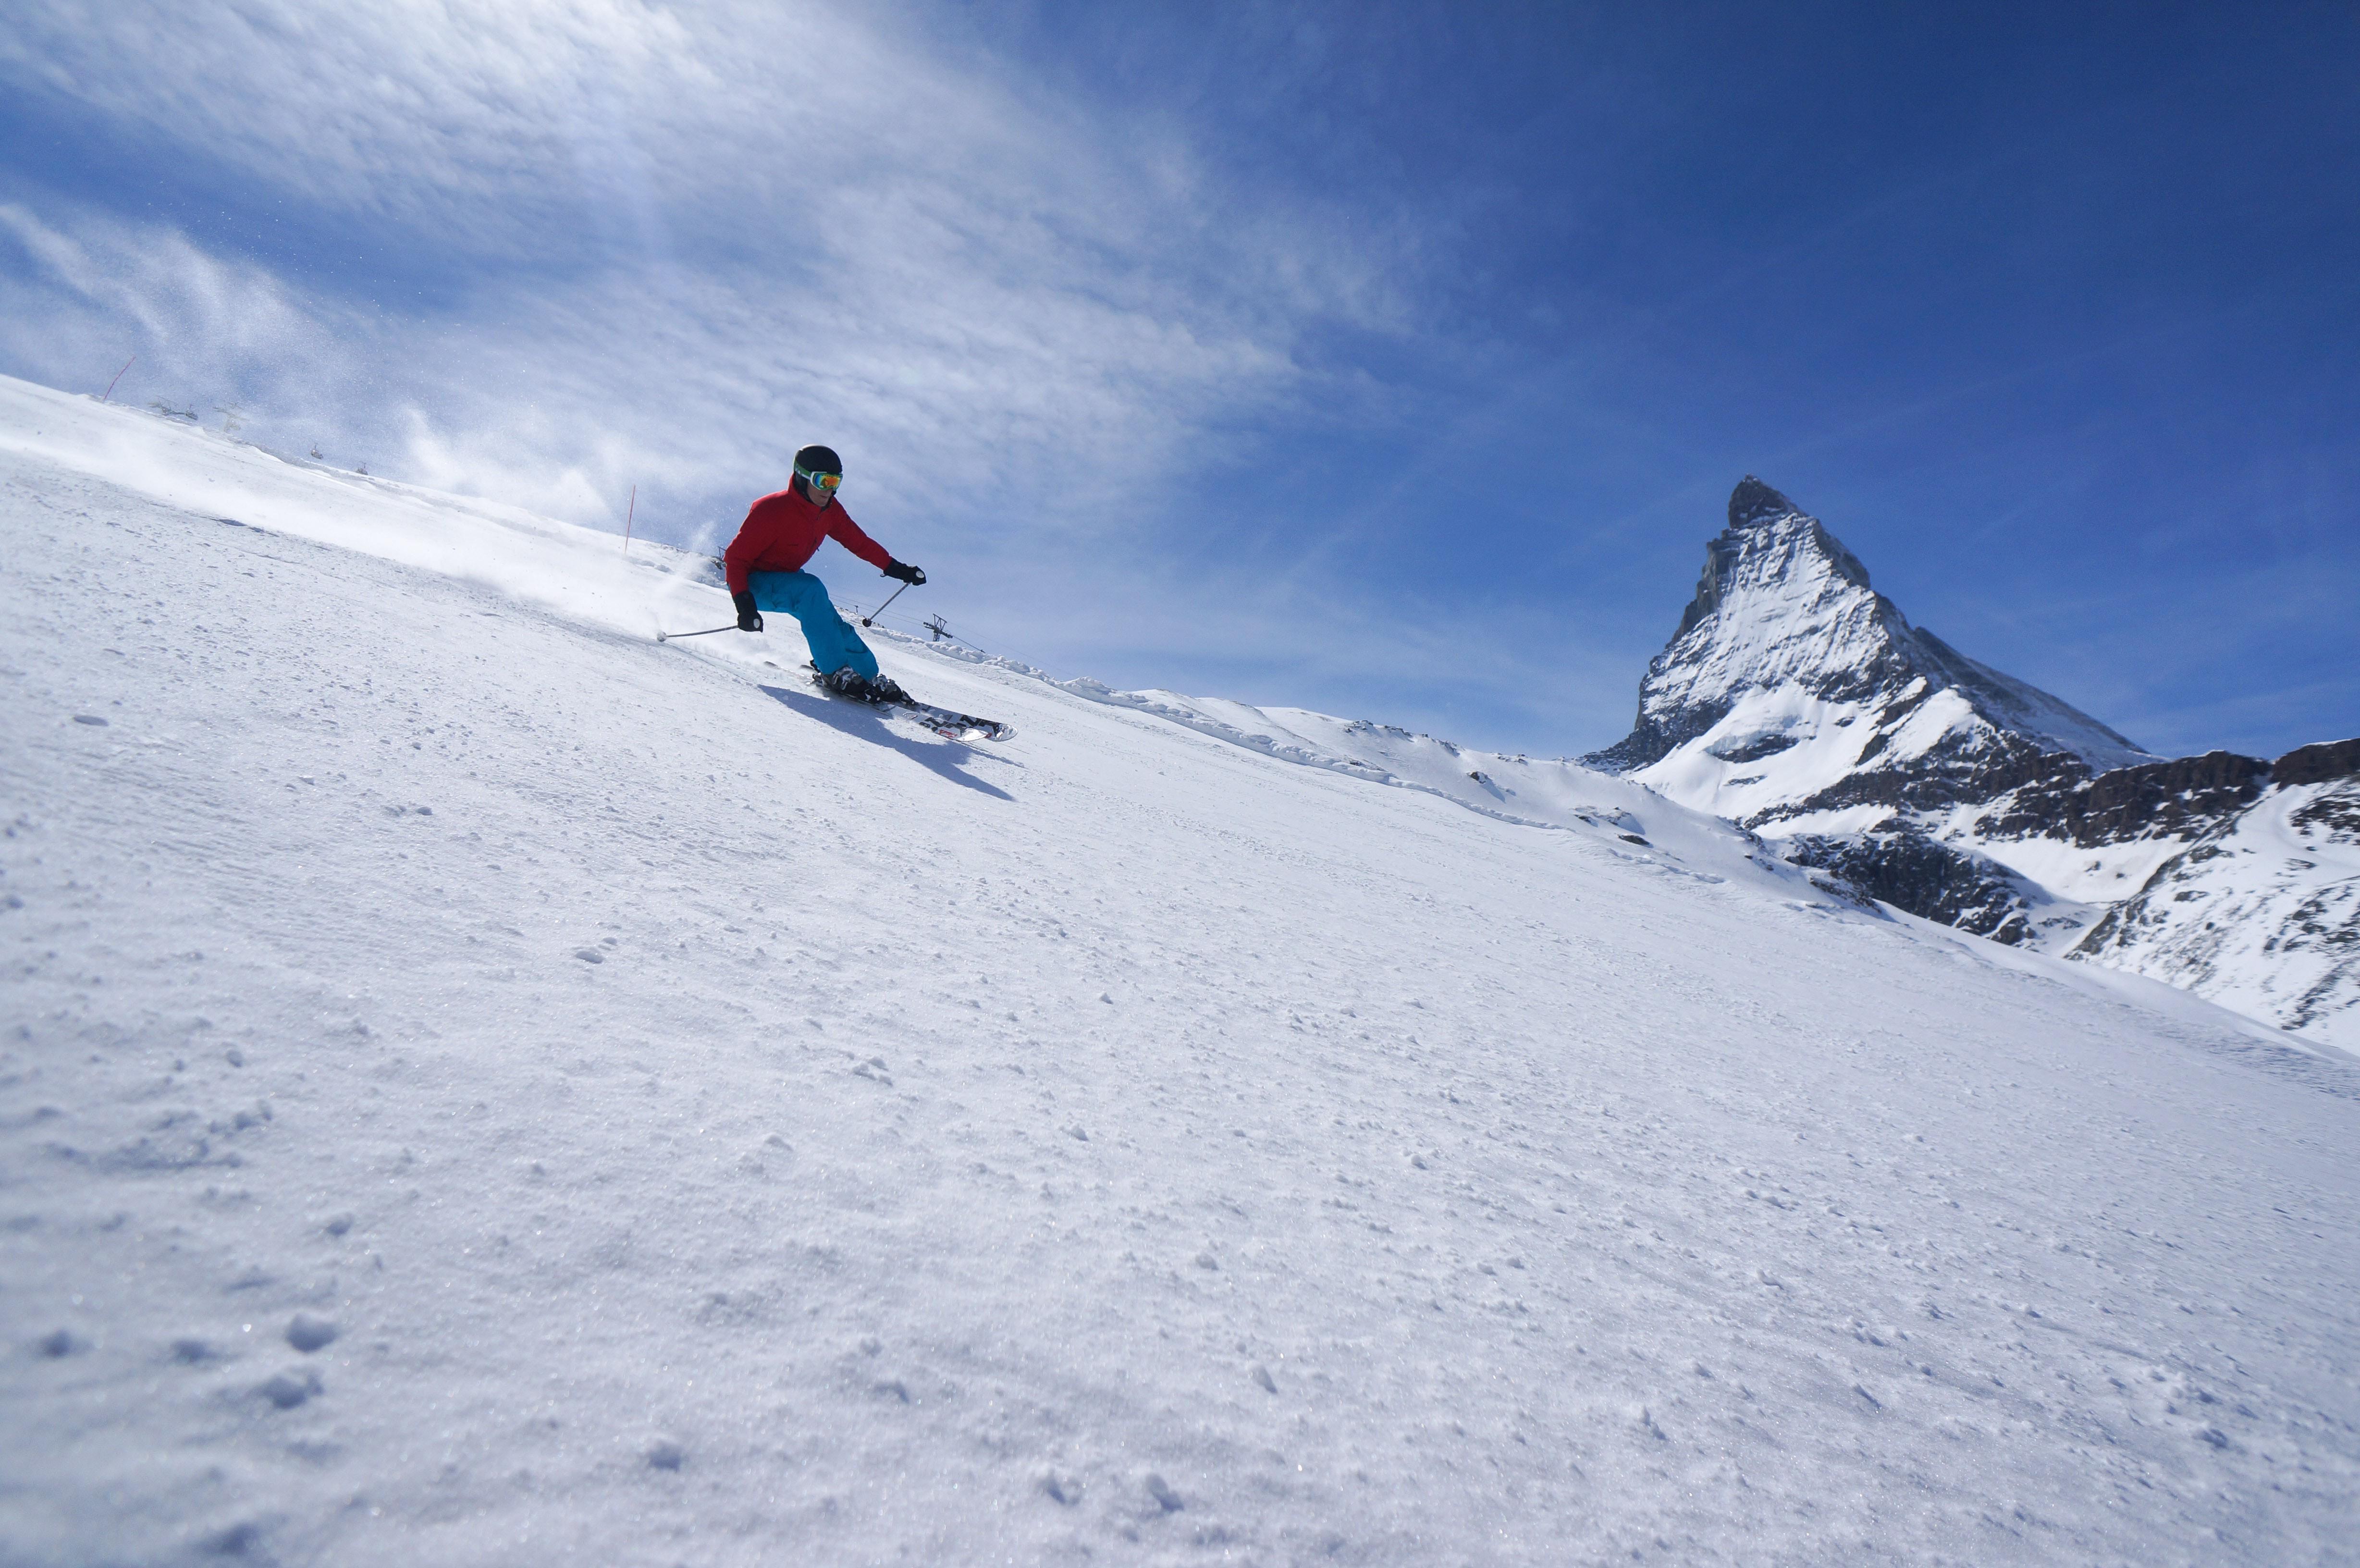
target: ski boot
<point>844,681</point>
<point>850,683</point>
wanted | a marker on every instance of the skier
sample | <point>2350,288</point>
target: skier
<point>764,566</point>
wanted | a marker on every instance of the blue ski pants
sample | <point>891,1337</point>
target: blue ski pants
<point>834,643</point>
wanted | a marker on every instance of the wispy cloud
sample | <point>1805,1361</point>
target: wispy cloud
<point>675,244</point>
<point>662,248</point>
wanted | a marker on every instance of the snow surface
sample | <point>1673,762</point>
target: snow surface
<point>2096,875</point>
<point>2261,914</point>
<point>477,1087</point>
<point>1822,743</point>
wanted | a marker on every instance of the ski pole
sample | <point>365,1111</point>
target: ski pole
<point>870,620</point>
<point>668,637</point>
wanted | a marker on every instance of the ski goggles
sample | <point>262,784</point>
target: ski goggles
<point>828,482</point>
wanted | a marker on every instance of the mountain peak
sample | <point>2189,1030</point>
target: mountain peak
<point>1753,501</point>
<point>1769,540</point>
<point>1786,639</point>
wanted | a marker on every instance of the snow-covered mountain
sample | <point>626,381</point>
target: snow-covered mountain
<point>2261,911</point>
<point>1797,702</point>
<point>477,1087</point>
<point>1793,693</point>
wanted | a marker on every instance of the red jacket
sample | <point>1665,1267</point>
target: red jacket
<point>782,531</point>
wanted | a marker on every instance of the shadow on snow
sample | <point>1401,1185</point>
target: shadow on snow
<point>938,756</point>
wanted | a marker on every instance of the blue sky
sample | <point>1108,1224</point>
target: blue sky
<point>1394,361</point>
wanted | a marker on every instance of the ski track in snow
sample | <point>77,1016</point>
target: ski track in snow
<point>478,1087</point>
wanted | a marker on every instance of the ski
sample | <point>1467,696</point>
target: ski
<point>945,723</point>
<point>955,726</point>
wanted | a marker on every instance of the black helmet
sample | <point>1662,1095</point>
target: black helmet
<point>818,460</point>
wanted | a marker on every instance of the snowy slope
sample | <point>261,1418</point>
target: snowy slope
<point>480,1087</point>
<point>1539,793</point>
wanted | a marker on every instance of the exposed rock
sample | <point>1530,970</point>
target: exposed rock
<point>1935,881</point>
<point>2188,794</point>
<point>2318,763</point>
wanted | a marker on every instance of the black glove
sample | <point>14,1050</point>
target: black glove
<point>906,573</point>
<point>749,619</point>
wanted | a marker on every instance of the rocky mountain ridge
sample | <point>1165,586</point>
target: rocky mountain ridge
<point>1800,704</point>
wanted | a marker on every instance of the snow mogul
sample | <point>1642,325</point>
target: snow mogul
<point>764,566</point>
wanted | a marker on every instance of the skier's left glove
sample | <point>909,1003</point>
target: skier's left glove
<point>749,619</point>
<point>906,573</point>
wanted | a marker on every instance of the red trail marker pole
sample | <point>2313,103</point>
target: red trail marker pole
<point>118,376</point>
<point>627,520</point>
